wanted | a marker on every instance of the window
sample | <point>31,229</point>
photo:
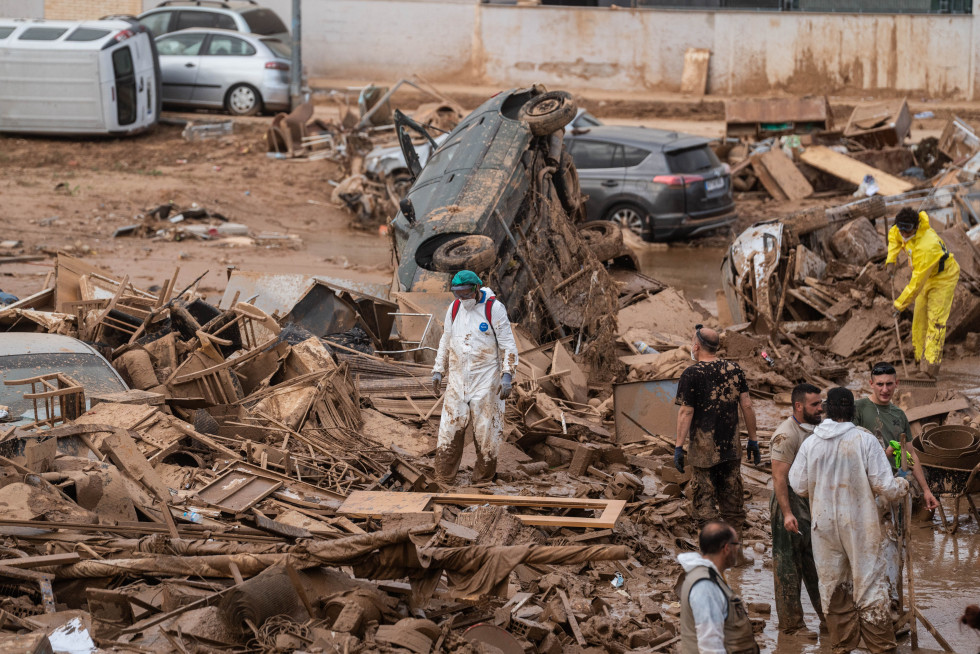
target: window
<point>596,154</point>
<point>225,22</point>
<point>633,156</point>
<point>263,21</point>
<point>5,32</point>
<point>187,45</point>
<point>692,160</point>
<point>122,66</point>
<point>187,19</point>
<point>158,23</point>
<point>43,33</point>
<point>87,34</point>
<point>223,45</point>
<point>278,47</point>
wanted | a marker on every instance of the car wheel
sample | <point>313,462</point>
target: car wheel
<point>566,183</point>
<point>628,216</point>
<point>243,100</point>
<point>475,252</point>
<point>548,112</point>
<point>604,238</point>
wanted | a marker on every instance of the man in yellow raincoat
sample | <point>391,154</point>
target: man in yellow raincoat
<point>934,276</point>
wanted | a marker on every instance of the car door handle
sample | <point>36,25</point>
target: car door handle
<point>188,65</point>
<point>610,182</point>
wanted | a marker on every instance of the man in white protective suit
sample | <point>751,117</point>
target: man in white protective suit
<point>841,468</point>
<point>478,356</point>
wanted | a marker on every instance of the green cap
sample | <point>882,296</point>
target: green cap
<point>466,278</point>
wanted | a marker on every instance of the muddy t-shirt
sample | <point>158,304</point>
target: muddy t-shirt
<point>783,446</point>
<point>712,389</point>
<point>887,423</point>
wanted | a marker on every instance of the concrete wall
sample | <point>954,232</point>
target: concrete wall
<point>22,8</point>
<point>753,53</point>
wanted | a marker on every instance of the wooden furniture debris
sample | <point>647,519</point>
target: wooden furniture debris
<point>62,398</point>
<point>852,170</point>
<point>376,504</point>
<point>780,176</point>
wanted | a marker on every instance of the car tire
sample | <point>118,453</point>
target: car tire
<point>604,238</point>
<point>628,216</point>
<point>475,252</point>
<point>548,112</point>
<point>243,100</point>
<point>566,184</point>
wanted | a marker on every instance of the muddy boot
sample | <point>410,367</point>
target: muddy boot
<point>931,369</point>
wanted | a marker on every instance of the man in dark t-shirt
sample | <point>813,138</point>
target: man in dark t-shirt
<point>710,393</point>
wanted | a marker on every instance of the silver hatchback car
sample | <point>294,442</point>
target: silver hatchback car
<point>217,68</point>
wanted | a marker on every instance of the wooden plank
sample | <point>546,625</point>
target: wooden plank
<point>854,334</point>
<point>784,173</point>
<point>124,416</point>
<point>937,408</point>
<point>694,79</point>
<point>575,385</point>
<point>767,180</point>
<point>66,558</point>
<point>572,620</point>
<point>810,326</point>
<point>378,503</point>
<point>852,170</point>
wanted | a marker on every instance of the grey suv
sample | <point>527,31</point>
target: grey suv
<point>246,16</point>
<point>661,185</point>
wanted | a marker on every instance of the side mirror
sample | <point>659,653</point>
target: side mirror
<point>408,210</point>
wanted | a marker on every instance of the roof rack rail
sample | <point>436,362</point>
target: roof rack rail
<point>202,3</point>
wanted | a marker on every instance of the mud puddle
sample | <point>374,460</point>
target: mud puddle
<point>696,271</point>
<point>945,571</point>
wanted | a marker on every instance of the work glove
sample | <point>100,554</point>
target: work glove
<point>752,452</point>
<point>679,459</point>
<point>436,382</point>
<point>505,386</point>
<point>890,269</point>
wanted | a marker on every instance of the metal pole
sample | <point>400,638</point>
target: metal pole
<point>296,66</point>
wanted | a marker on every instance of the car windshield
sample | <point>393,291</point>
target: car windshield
<point>278,47</point>
<point>87,369</point>
<point>263,21</point>
<point>692,160</point>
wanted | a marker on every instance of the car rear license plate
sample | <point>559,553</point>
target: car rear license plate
<point>714,184</point>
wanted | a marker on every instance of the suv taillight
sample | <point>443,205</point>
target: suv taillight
<point>277,65</point>
<point>677,181</point>
<point>123,35</point>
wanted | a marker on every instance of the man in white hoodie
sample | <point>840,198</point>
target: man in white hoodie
<point>479,352</point>
<point>841,468</point>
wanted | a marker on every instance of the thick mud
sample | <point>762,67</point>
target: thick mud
<point>946,577</point>
<point>696,271</point>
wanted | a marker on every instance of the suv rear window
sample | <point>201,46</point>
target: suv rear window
<point>188,18</point>
<point>692,160</point>
<point>87,34</point>
<point>43,33</point>
<point>263,21</point>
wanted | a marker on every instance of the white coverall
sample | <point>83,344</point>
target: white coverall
<point>472,356</point>
<point>841,468</point>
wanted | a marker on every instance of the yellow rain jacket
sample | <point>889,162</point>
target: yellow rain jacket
<point>934,276</point>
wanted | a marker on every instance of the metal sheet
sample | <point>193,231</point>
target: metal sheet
<point>280,291</point>
<point>643,408</point>
<point>236,491</point>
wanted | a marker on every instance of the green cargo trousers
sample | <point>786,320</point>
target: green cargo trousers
<point>793,567</point>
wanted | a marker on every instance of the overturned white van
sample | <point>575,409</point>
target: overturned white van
<point>70,77</point>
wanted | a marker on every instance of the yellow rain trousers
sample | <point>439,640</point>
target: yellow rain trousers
<point>934,276</point>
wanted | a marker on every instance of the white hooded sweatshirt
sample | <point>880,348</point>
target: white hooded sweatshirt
<point>708,604</point>
<point>841,468</point>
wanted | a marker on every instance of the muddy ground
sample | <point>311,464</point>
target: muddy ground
<point>72,194</point>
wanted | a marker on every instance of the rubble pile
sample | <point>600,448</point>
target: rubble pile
<point>266,483</point>
<point>374,173</point>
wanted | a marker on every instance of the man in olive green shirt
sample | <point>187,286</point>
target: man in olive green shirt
<point>887,422</point>
<point>792,551</point>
